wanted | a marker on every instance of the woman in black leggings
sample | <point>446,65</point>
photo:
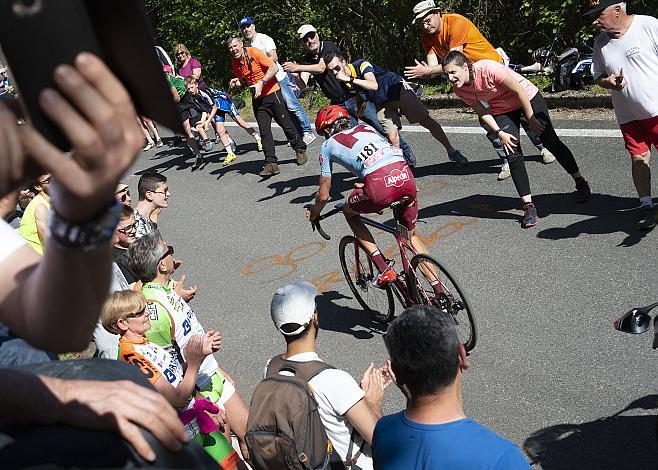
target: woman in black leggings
<point>510,96</point>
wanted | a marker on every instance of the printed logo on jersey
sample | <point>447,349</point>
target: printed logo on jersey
<point>397,178</point>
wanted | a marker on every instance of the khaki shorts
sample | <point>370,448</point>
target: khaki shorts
<point>409,105</point>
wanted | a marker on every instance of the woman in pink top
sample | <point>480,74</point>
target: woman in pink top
<point>188,66</point>
<point>510,96</point>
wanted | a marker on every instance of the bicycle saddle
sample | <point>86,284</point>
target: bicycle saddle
<point>636,321</point>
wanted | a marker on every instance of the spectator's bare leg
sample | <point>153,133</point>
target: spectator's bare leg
<point>642,173</point>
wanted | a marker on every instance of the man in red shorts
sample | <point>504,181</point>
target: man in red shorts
<point>626,62</point>
<point>383,170</point>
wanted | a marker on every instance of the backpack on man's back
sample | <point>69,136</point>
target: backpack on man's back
<point>284,430</point>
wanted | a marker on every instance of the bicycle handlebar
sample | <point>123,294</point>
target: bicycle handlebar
<point>315,224</point>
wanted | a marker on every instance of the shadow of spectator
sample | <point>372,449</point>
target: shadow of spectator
<point>605,213</point>
<point>614,442</point>
<point>333,317</point>
<point>340,182</point>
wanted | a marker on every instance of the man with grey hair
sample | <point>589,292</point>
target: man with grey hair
<point>626,62</point>
<point>348,411</point>
<point>427,363</point>
<point>173,323</point>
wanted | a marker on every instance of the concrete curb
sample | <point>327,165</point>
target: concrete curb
<point>566,99</point>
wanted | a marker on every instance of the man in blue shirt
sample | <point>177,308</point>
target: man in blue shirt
<point>392,96</point>
<point>427,364</point>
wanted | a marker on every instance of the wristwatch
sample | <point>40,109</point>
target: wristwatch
<point>87,236</point>
<point>498,131</point>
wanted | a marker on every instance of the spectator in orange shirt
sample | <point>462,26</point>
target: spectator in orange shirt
<point>452,32</point>
<point>253,67</point>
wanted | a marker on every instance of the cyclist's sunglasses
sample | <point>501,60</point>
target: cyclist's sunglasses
<point>170,251</point>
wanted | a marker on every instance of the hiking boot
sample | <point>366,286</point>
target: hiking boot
<point>259,143</point>
<point>269,169</point>
<point>384,278</point>
<point>302,158</point>
<point>546,156</point>
<point>583,193</point>
<point>647,219</point>
<point>529,216</point>
<point>504,172</point>
<point>308,137</point>
<point>457,157</point>
<point>230,158</point>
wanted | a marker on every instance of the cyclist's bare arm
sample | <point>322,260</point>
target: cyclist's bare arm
<point>321,198</point>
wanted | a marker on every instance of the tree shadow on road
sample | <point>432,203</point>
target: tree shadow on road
<point>349,320</point>
<point>615,442</point>
<point>605,213</point>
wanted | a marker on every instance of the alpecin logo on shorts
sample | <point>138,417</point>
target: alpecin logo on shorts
<point>396,178</point>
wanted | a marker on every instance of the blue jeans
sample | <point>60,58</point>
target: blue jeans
<point>370,118</point>
<point>292,103</point>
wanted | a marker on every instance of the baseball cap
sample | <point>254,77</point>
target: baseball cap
<point>121,187</point>
<point>246,21</point>
<point>597,6</point>
<point>305,29</point>
<point>423,8</point>
<point>293,306</point>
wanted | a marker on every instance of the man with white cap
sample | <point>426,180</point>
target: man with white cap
<point>442,33</point>
<point>343,404</point>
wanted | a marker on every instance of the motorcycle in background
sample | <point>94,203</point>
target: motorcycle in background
<point>568,69</point>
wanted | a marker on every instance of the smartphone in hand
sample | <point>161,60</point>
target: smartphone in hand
<point>38,35</point>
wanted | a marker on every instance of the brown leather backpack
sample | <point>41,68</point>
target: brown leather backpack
<point>284,430</point>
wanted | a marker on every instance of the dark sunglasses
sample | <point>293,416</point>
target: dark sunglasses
<point>337,68</point>
<point>180,53</point>
<point>45,181</point>
<point>128,228</point>
<point>310,36</point>
<point>170,251</point>
<point>125,196</point>
<point>136,314</point>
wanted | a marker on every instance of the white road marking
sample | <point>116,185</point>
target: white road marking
<point>610,133</point>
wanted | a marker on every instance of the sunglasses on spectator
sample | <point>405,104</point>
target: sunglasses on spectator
<point>128,228</point>
<point>136,314</point>
<point>124,196</point>
<point>170,251</point>
<point>45,181</point>
<point>337,68</point>
<point>309,37</point>
<point>180,53</point>
<point>161,191</point>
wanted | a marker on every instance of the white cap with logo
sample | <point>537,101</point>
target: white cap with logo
<point>305,29</point>
<point>423,8</point>
<point>293,306</point>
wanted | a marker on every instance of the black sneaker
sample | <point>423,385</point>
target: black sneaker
<point>198,162</point>
<point>583,193</point>
<point>269,169</point>
<point>529,216</point>
<point>647,219</point>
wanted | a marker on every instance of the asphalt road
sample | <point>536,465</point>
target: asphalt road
<point>549,372</point>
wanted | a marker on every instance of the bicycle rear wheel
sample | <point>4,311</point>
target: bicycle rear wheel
<point>360,271</point>
<point>449,298</point>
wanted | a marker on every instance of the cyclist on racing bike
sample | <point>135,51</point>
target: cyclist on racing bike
<point>383,170</point>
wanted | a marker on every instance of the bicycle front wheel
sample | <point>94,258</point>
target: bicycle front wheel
<point>360,271</point>
<point>438,288</point>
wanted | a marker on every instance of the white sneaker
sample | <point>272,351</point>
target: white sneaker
<point>546,156</point>
<point>309,137</point>
<point>504,172</point>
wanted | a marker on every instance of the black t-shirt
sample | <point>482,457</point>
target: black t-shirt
<point>336,91</point>
<point>120,257</point>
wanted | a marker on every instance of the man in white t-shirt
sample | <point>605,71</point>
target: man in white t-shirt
<point>343,404</point>
<point>626,62</point>
<point>266,44</point>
